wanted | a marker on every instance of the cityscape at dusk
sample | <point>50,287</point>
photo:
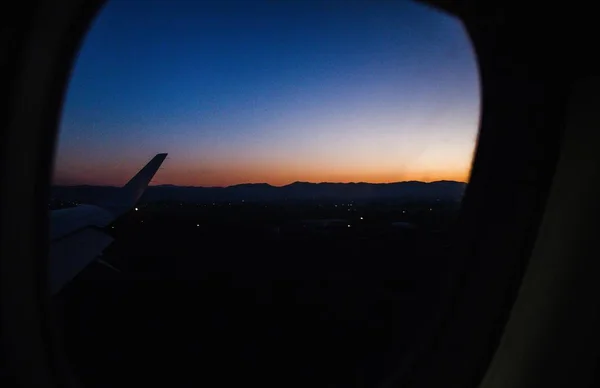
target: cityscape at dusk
<point>275,92</point>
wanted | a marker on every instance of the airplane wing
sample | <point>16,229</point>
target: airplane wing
<point>76,234</point>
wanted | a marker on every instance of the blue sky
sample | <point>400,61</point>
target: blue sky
<point>271,91</point>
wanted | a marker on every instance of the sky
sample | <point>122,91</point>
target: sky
<point>270,91</point>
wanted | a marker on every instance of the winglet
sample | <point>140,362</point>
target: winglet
<point>132,191</point>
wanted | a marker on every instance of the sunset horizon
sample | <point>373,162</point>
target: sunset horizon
<point>180,175</point>
<point>65,183</point>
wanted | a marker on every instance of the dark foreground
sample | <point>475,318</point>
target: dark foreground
<point>222,298</point>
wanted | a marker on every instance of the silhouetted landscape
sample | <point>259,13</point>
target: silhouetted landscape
<point>320,284</point>
<point>261,192</point>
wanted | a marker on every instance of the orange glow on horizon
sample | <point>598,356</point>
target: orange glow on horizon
<point>181,175</point>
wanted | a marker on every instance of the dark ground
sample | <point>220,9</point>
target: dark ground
<point>212,295</point>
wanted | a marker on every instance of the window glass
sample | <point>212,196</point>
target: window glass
<point>317,156</point>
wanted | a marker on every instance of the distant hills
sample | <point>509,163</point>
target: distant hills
<point>255,192</point>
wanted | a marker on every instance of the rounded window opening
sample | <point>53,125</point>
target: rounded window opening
<point>317,156</point>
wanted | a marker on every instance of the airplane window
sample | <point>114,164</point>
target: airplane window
<point>238,183</point>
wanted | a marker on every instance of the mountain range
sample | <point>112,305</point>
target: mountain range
<point>409,190</point>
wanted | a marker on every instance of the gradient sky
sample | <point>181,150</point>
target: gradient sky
<point>271,91</point>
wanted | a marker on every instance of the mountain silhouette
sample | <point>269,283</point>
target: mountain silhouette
<point>409,190</point>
